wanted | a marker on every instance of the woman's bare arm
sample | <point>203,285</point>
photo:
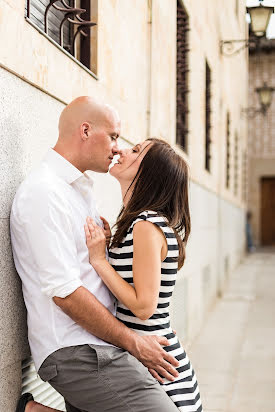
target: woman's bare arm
<point>148,243</point>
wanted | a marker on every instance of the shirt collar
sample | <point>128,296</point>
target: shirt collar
<point>64,169</point>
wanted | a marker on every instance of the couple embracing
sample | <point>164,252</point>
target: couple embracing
<point>98,305</point>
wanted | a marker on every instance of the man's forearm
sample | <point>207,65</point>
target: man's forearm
<point>88,312</point>
<point>83,307</point>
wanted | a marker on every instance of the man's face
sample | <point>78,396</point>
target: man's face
<point>103,145</point>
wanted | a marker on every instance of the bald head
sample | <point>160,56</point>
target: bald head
<point>84,109</point>
<point>88,133</point>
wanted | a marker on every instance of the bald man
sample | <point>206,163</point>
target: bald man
<point>77,344</point>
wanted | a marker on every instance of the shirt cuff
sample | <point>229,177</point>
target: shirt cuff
<point>65,290</point>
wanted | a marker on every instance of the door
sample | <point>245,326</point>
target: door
<point>268,210</point>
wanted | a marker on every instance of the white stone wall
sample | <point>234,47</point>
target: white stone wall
<point>215,248</point>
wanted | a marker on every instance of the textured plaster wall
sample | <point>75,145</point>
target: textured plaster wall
<point>28,120</point>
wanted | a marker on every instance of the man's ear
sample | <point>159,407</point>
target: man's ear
<point>85,130</point>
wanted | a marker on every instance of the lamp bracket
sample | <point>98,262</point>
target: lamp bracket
<point>252,111</point>
<point>232,47</point>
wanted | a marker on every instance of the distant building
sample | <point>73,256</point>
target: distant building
<point>159,63</point>
<point>261,147</point>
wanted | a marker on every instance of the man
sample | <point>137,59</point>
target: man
<point>71,323</point>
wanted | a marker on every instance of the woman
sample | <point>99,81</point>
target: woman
<point>147,250</point>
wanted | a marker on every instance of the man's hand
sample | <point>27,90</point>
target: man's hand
<point>149,351</point>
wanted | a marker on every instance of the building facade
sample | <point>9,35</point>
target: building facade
<point>159,63</point>
<point>261,147</point>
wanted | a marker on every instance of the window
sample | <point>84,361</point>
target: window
<point>182,76</point>
<point>227,151</point>
<point>236,165</point>
<point>67,22</point>
<point>207,116</point>
<point>244,176</point>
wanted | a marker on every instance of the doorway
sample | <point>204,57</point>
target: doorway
<point>268,211</point>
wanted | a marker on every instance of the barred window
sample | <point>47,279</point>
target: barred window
<point>227,183</point>
<point>244,176</point>
<point>68,23</point>
<point>182,76</point>
<point>236,165</point>
<point>207,116</point>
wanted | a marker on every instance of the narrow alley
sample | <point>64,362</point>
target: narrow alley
<point>234,354</point>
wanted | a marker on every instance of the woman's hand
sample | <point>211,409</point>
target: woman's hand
<point>106,230</point>
<point>95,241</point>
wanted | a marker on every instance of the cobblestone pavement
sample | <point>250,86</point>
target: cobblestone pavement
<point>234,354</point>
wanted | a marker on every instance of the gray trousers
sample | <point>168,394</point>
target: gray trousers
<point>94,378</point>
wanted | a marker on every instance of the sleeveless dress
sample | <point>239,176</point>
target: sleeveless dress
<point>184,390</point>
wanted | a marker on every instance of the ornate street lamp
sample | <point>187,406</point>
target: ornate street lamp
<point>265,97</point>
<point>259,16</point>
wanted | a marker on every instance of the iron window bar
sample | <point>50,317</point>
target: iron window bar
<point>228,151</point>
<point>182,77</point>
<point>72,15</point>
<point>207,117</point>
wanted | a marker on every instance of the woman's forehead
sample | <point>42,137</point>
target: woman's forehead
<point>145,143</point>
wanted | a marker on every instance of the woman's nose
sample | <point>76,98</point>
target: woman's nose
<point>123,152</point>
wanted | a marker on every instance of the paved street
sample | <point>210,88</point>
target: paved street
<point>234,354</point>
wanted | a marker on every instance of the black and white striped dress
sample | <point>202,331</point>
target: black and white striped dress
<point>184,391</point>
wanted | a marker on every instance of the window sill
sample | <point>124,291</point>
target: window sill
<point>61,48</point>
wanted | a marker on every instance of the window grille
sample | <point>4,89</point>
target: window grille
<point>182,76</point>
<point>42,392</point>
<point>236,164</point>
<point>244,176</point>
<point>207,116</point>
<point>67,22</point>
<point>228,151</point>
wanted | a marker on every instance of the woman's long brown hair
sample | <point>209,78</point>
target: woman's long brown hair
<point>161,185</point>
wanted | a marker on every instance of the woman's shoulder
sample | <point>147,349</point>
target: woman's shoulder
<point>151,216</point>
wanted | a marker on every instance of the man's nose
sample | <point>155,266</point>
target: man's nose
<point>116,150</point>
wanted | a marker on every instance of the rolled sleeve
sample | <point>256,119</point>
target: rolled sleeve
<point>52,244</point>
<point>62,291</point>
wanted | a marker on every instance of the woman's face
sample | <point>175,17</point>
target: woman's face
<point>128,164</point>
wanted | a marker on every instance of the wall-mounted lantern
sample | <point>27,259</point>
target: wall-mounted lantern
<point>265,97</point>
<point>259,16</point>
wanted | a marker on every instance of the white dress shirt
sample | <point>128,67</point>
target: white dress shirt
<point>50,253</point>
